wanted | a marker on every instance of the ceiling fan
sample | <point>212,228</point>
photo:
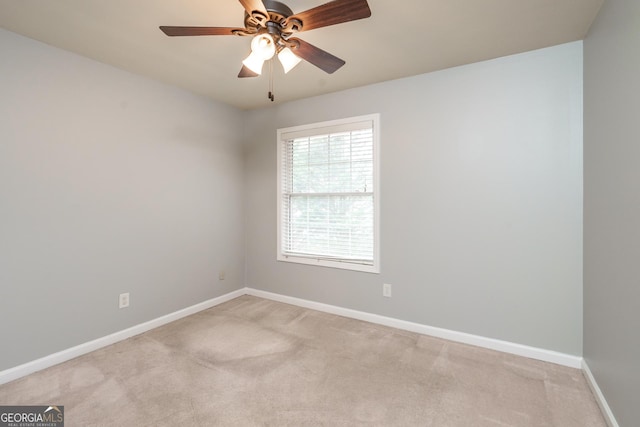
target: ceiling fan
<point>272,25</point>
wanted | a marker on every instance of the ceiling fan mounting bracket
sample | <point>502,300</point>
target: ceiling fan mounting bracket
<point>249,31</point>
<point>292,44</point>
<point>291,25</point>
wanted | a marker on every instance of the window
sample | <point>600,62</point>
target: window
<point>328,194</point>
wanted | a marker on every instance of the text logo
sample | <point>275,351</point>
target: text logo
<point>32,416</point>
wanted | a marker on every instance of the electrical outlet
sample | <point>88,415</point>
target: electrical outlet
<point>123,301</point>
<point>386,290</point>
<point>221,275</point>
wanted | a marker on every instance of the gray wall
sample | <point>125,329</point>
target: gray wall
<point>612,206</point>
<point>112,183</point>
<point>481,200</point>
<point>109,183</point>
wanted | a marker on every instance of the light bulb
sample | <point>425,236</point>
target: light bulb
<point>254,62</point>
<point>288,59</point>
<point>263,46</point>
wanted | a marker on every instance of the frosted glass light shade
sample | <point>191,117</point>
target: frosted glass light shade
<point>288,59</point>
<point>254,62</point>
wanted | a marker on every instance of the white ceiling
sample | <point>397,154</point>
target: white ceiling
<point>402,38</point>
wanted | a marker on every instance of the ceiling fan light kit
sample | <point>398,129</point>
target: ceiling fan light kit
<point>272,25</point>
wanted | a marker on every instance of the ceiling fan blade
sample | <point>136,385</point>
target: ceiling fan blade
<point>198,31</point>
<point>318,57</point>
<point>251,5</point>
<point>246,72</point>
<point>334,12</point>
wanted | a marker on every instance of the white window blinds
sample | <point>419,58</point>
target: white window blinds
<point>327,193</point>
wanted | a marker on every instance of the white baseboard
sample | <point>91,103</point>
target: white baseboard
<point>597,393</point>
<point>490,343</point>
<point>73,352</point>
<point>494,344</point>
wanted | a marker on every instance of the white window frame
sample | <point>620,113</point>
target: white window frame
<point>320,128</point>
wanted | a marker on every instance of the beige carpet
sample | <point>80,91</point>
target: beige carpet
<point>254,362</point>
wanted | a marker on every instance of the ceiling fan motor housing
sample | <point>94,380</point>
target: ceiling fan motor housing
<point>278,13</point>
<point>276,24</point>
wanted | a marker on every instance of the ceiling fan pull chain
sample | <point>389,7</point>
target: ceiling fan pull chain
<point>271,94</point>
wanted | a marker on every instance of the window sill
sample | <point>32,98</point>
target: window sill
<point>343,265</point>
